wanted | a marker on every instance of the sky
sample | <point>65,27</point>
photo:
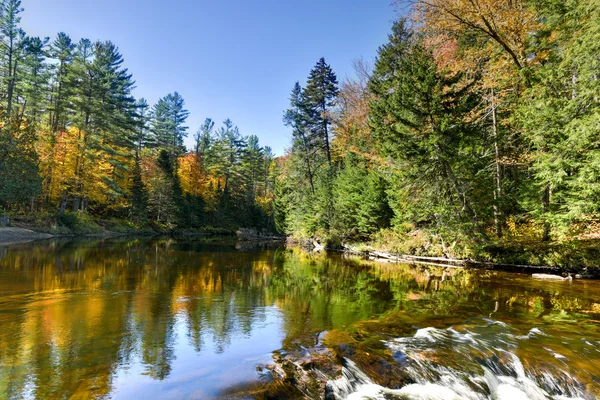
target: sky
<point>236,59</point>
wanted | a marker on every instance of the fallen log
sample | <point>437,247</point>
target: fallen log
<point>552,277</point>
<point>457,263</point>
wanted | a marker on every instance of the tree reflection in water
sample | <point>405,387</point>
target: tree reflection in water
<point>166,317</point>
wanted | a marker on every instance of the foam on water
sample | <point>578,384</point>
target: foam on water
<point>448,364</point>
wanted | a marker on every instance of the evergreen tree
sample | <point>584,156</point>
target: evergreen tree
<point>228,149</point>
<point>319,98</point>
<point>203,138</point>
<point>170,206</point>
<point>560,117</point>
<point>35,78</point>
<point>105,119</point>
<point>142,119</point>
<point>310,118</point>
<point>169,117</point>
<point>20,181</point>
<point>13,49</point>
<point>251,166</point>
<point>61,50</point>
<point>419,118</point>
<point>139,195</point>
<point>305,142</point>
<point>361,201</point>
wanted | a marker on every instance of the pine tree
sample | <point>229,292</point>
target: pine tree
<point>61,50</point>
<point>319,98</point>
<point>170,205</point>
<point>142,122</point>
<point>251,166</point>
<point>559,116</point>
<point>13,48</point>
<point>19,173</point>
<point>104,118</point>
<point>361,201</point>
<point>305,143</point>
<point>310,117</point>
<point>419,118</point>
<point>169,117</point>
<point>203,138</point>
<point>20,181</point>
<point>228,149</point>
<point>139,196</point>
<point>35,78</point>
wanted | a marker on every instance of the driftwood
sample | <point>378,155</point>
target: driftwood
<point>317,246</point>
<point>251,235</point>
<point>552,277</point>
<point>542,271</point>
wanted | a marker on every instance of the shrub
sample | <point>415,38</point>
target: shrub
<point>77,223</point>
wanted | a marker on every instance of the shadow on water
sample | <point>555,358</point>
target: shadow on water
<point>188,318</point>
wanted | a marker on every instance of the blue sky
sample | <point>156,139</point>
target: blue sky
<point>233,59</point>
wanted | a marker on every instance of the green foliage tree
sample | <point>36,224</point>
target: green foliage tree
<point>139,195</point>
<point>360,199</point>
<point>560,113</point>
<point>168,124</point>
<point>311,170</point>
<point>20,181</point>
<point>318,99</point>
<point>419,117</point>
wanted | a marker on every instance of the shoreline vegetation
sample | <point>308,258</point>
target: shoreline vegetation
<point>579,260</point>
<point>470,140</point>
<point>23,229</point>
<point>562,260</point>
<point>473,137</point>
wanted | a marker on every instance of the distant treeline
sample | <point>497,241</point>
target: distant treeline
<point>479,119</point>
<point>74,139</point>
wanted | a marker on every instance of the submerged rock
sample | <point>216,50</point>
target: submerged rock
<point>303,373</point>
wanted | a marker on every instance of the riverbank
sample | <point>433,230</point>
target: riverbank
<point>578,257</point>
<point>542,271</point>
<point>27,228</point>
<point>16,235</point>
<point>20,235</point>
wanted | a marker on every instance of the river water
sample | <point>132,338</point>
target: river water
<point>200,319</point>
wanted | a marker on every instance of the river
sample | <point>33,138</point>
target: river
<point>207,319</point>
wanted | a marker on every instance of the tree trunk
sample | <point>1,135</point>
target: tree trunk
<point>325,123</point>
<point>546,207</point>
<point>63,205</point>
<point>309,169</point>
<point>11,79</point>
<point>497,171</point>
<point>463,197</point>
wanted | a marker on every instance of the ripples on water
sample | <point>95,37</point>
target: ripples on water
<point>475,362</point>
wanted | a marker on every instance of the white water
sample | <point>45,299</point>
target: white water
<point>481,364</point>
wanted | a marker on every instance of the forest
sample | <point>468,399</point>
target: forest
<point>477,123</point>
<point>76,144</point>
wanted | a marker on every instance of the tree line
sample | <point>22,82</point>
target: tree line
<point>73,138</point>
<point>478,119</point>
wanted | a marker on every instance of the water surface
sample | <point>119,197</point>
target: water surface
<point>168,319</point>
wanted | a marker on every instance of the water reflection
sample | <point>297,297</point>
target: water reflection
<point>189,319</point>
